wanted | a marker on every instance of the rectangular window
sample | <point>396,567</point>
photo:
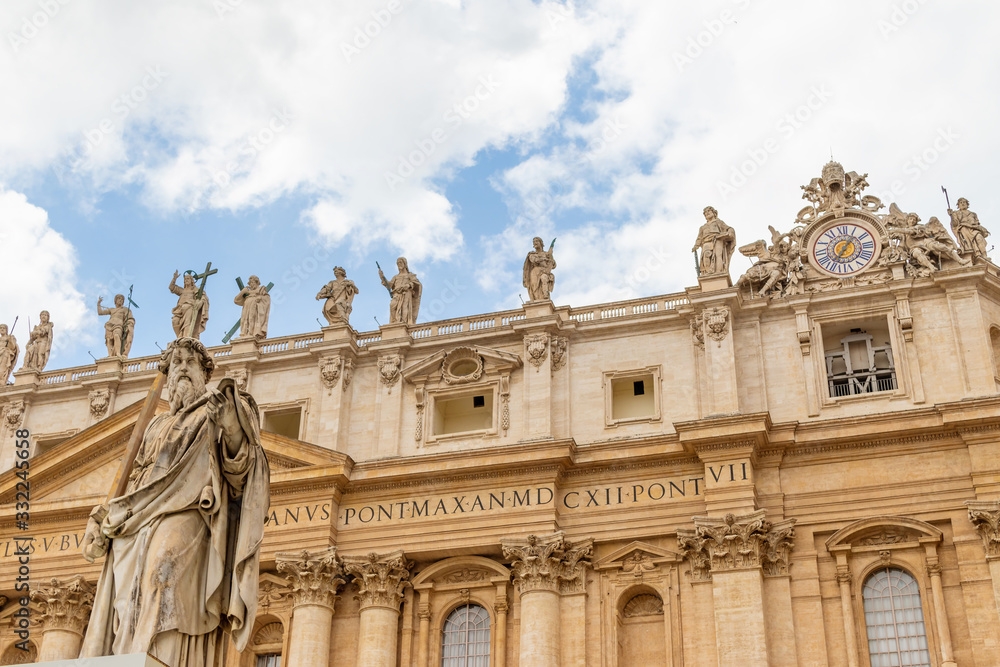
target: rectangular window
<point>632,395</point>
<point>269,660</point>
<point>859,358</point>
<point>460,414</point>
<point>283,422</point>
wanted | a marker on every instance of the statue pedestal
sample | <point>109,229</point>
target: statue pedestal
<point>337,332</point>
<point>539,308</point>
<point>134,660</point>
<point>244,345</point>
<point>394,331</point>
<point>109,365</point>
<point>714,282</point>
<point>25,377</point>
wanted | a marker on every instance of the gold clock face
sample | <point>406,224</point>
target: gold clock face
<point>844,249</point>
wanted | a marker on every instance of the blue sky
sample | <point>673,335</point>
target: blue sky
<point>282,141</point>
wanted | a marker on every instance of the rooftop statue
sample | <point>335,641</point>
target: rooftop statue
<point>970,234</point>
<point>837,191</point>
<point>405,290</point>
<point>717,240</point>
<point>182,544</point>
<point>537,272</point>
<point>120,327</point>
<point>256,304</point>
<point>36,352</point>
<point>922,246</point>
<point>8,354</point>
<point>339,295</point>
<point>186,310</point>
<point>778,269</point>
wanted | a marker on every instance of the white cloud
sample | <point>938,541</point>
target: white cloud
<point>230,104</point>
<point>695,92</point>
<point>40,266</point>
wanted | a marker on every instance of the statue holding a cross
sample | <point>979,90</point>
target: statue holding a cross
<point>256,304</point>
<point>120,327</point>
<point>190,315</point>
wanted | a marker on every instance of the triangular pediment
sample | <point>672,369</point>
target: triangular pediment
<point>84,466</point>
<point>430,368</point>
<point>637,553</point>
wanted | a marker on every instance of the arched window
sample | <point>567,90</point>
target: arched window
<point>466,638</point>
<point>895,620</point>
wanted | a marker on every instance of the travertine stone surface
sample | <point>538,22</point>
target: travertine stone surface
<point>380,580</point>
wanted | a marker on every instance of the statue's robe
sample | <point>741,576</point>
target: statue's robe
<point>256,310</point>
<point>183,563</point>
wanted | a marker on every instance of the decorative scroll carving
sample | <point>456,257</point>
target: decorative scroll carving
<point>505,403</point>
<point>388,369</point>
<point>537,346</point>
<point>737,542</point>
<point>464,575</point>
<point>843,574</point>
<point>239,376</point>
<point>380,578</point>
<point>313,577</point>
<point>644,604</point>
<point>886,537</point>
<point>347,373</point>
<point>985,515</point>
<point>698,330</point>
<point>100,399</point>
<point>65,604</point>
<point>559,346</point>
<point>329,371</point>
<point>548,562</point>
<point>418,430</point>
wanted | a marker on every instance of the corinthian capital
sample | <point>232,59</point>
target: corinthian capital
<point>985,515</point>
<point>737,542</point>
<point>65,604</point>
<point>314,577</point>
<point>547,562</point>
<point>380,578</point>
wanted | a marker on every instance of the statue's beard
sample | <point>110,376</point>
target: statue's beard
<point>183,390</point>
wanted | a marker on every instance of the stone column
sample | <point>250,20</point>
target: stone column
<point>65,607</point>
<point>985,515</point>
<point>737,551</point>
<point>381,579</point>
<point>847,610</point>
<point>940,612</point>
<point>424,632</point>
<point>314,579</point>
<point>501,607</point>
<point>539,564</point>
